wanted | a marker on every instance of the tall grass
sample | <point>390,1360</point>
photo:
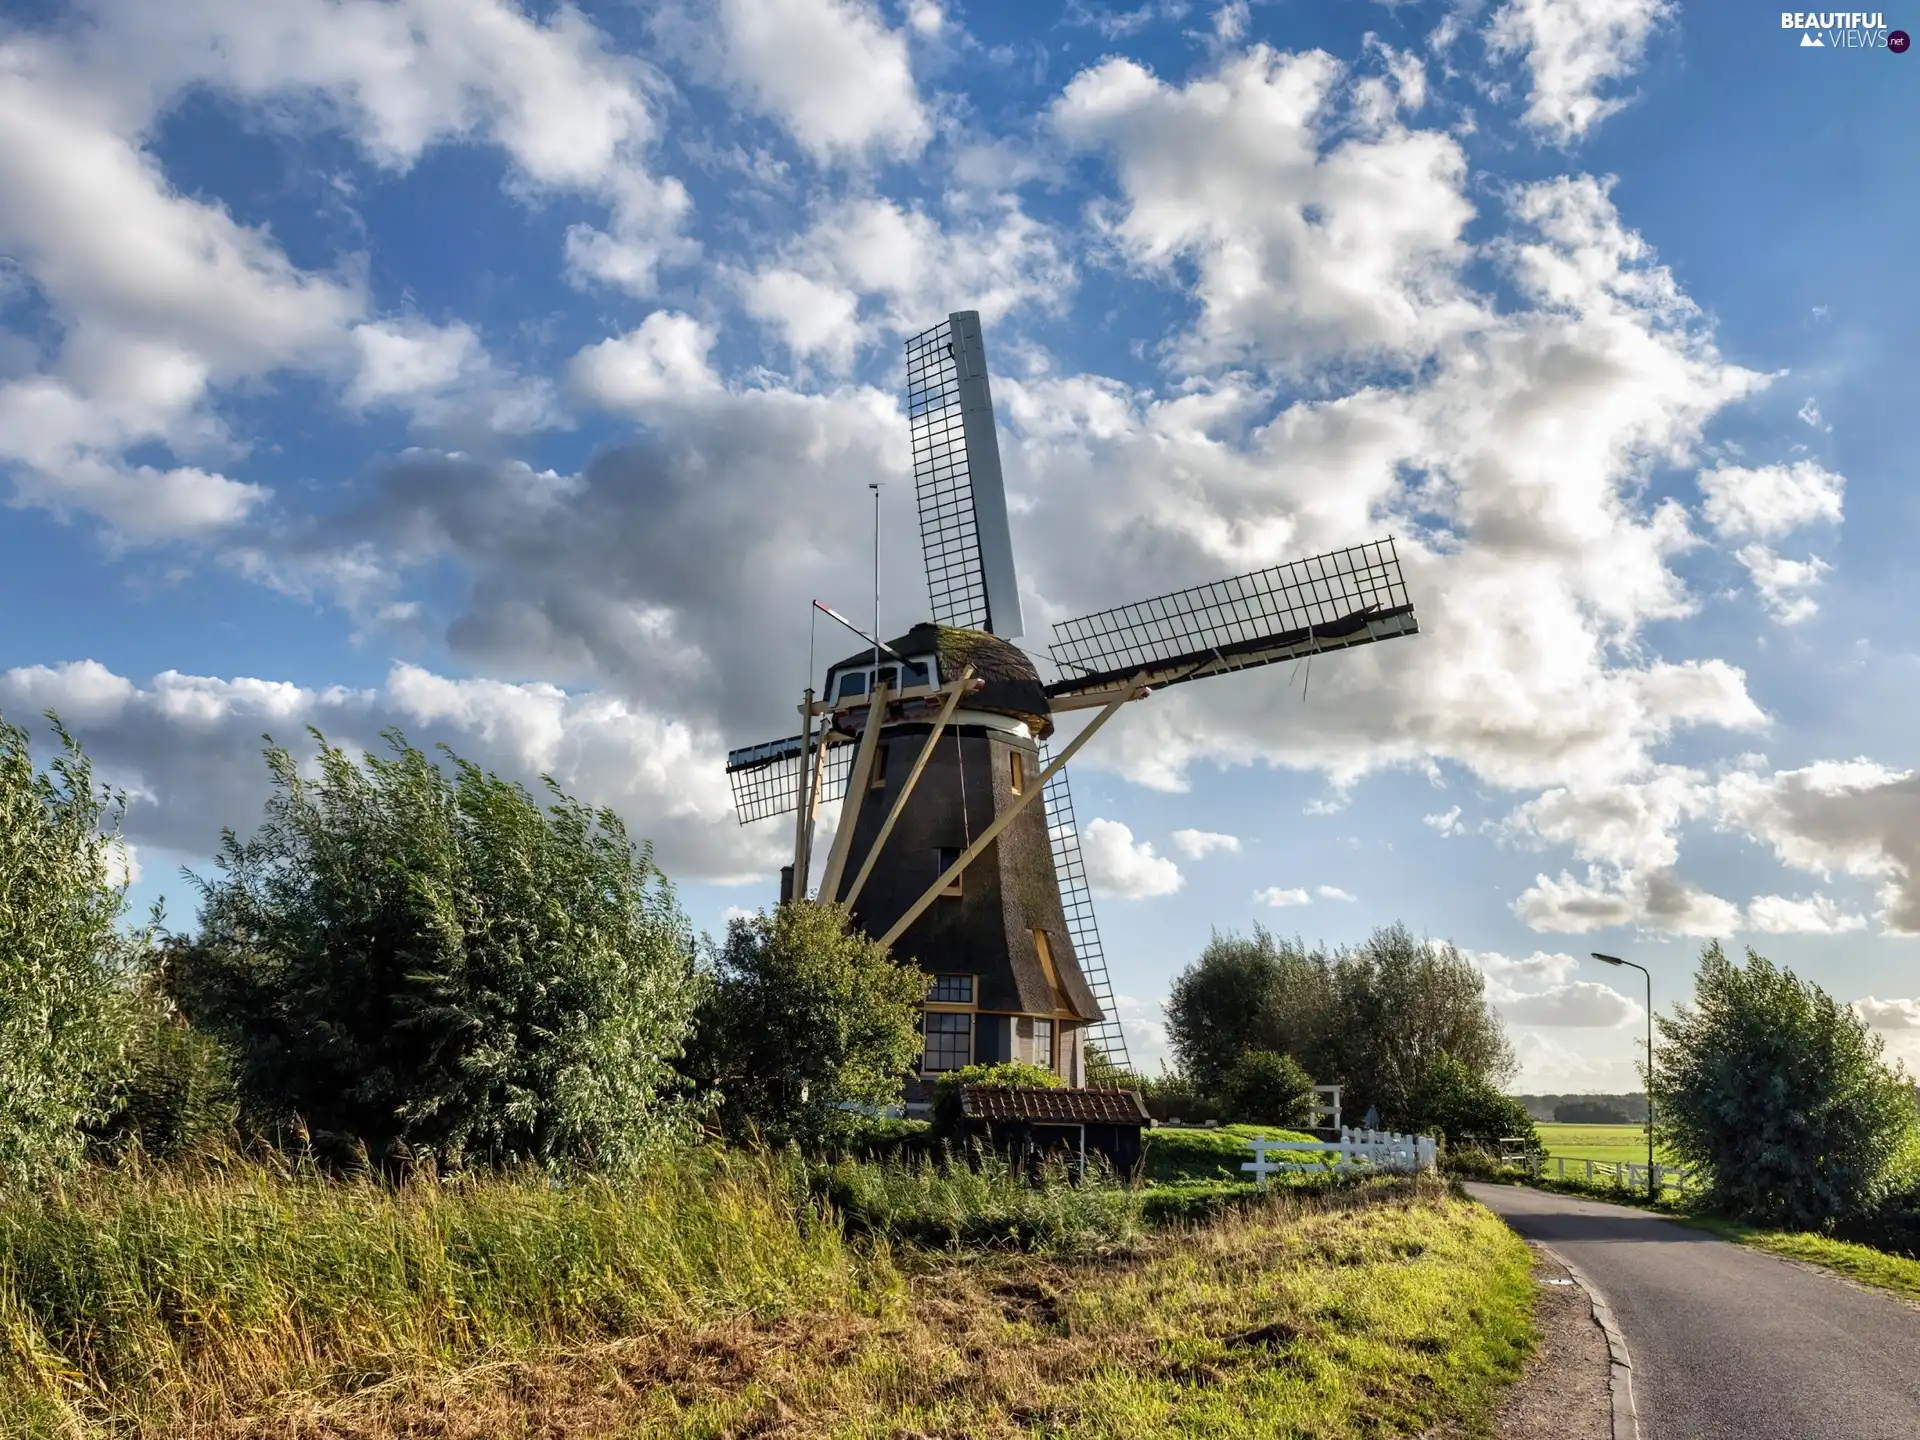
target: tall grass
<point>150,1302</point>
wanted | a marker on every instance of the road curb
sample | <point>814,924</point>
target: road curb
<point>1626,1418</point>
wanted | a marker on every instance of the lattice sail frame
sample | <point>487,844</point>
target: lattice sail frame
<point>958,487</point>
<point>1076,901</point>
<point>1345,597</point>
<point>766,778</point>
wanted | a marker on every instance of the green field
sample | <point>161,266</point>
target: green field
<point>1596,1142</point>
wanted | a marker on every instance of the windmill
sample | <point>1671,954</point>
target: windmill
<point>936,743</point>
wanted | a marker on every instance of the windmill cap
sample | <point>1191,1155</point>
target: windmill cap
<point>1012,686</point>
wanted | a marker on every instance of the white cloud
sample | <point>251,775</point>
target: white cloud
<point>1809,414</point>
<point>1280,899</point>
<point>186,748</point>
<point>440,374</point>
<point>1198,844</point>
<point>1782,583</point>
<point>661,361</point>
<point>1332,892</point>
<point>1302,255</point>
<point>1889,1014</point>
<point>1578,1003</point>
<point>1855,817</point>
<point>1657,899</point>
<point>1121,866</point>
<point>870,267</point>
<point>830,71</point>
<point>1447,822</point>
<point>1777,915</point>
<point>1771,501</point>
<point>1573,49</point>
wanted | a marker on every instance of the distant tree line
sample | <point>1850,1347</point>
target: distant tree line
<point>1401,1023</point>
<point>1588,1109</point>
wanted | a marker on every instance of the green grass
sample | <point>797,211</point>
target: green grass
<point>1620,1144</point>
<point>1215,1154</point>
<point>716,1295</point>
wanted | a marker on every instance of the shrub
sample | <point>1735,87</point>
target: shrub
<point>415,961</point>
<point>1777,1093</point>
<point>1002,1075</point>
<point>1453,1102</point>
<point>1266,1088</point>
<point>806,1016</point>
<point>178,1093</point>
<point>64,1020</point>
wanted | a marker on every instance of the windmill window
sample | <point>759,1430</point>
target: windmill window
<point>1043,1044</point>
<point>1016,771</point>
<point>948,1042</point>
<point>853,683</point>
<point>889,675</point>
<point>947,856</point>
<point>878,780</point>
<point>915,674</point>
<point>951,990</point>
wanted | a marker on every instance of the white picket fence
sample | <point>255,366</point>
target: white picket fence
<point>1625,1173</point>
<point>1354,1150</point>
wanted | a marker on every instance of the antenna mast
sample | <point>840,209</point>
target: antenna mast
<point>874,485</point>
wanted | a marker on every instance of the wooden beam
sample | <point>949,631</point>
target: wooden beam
<point>992,832</point>
<point>800,801</point>
<point>956,690</point>
<point>856,792</point>
<point>813,808</point>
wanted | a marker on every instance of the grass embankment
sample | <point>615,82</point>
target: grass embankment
<point>714,1297</point>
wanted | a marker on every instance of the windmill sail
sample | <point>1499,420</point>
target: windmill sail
<point>956,479</point>
<point>1345,597</point>
<point>1076,899</point>
<point>766,778</point>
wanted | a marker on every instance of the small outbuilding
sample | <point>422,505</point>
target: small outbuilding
<point>1033,1123</point>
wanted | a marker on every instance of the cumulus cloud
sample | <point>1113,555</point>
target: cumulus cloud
<point>1782,583</point>
<point>1332,892</point>
<point>1302,254</point>
<point>1821,915</point>
<point>186,749</point>
<point>1573,49</point>
<point>1198,844</point>
<point>163,301</point>
<point>1889,1014</point>
<point>1446,822</point>
<point>1852,817</point>
<point>1123,867</point>
<point>1279,898</point>
<point>1658,899</point>
<point>831,71</point>
<point>1579,1003</point>
<point>1771,501</point>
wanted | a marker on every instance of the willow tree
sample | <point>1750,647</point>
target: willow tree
<point>426,960</point>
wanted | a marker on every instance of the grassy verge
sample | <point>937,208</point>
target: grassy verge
<point>718,1296</point>
<point>1389,1308</point>
<point>1215,1154</point>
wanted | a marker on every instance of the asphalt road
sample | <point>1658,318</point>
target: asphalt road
<point>1728,1343</point>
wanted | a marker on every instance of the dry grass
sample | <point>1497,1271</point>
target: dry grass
<point>1388,1310</point>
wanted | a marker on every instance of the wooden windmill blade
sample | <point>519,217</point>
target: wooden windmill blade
<point>766,777</point>
<point>1343,598</point>
<point>1076,900</point>
<point>957,482</point>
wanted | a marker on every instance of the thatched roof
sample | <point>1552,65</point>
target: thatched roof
<point>1012,684</point>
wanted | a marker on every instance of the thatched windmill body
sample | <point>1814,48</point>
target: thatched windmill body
<point>956,841</point>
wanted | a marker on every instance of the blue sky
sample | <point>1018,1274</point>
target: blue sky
<point>515,374</point>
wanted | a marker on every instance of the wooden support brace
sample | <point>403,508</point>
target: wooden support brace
<point>856,792</point>
<point>992,832</point>
<point>956,690</point>
<point>800,810</point>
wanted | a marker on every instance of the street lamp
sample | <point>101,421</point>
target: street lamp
<point>1653,1185</point>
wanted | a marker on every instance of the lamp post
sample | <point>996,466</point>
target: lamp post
<point>1653,1186</point>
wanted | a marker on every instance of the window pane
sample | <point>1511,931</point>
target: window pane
<point>890,674</point>
<point>947,857</point>
<point>1043,1044</point>
<point>952,989</point>
<point>853,684</point>
<point>949,1042</point>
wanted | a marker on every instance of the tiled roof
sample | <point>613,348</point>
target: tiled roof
<point>1055,1107</point>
